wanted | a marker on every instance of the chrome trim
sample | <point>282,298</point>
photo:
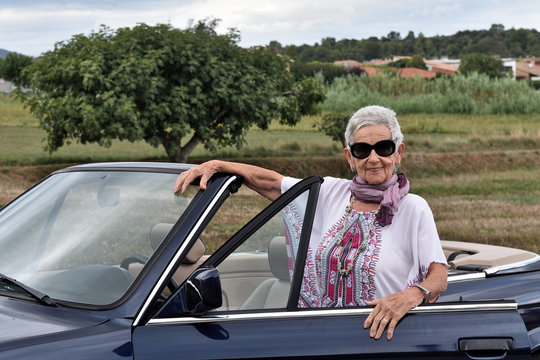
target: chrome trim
<point>495,269</point>
<point>464,307</point>
<point>328,313</point>
<point>463,277</point>
<point>169,268</point>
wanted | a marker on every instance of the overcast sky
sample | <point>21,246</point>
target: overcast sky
<point>31,27</point>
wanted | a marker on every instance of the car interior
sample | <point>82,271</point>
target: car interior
<point>261,279</point>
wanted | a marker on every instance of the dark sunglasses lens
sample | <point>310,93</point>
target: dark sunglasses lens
<point>385,148</point>
<point>382,148</point>
<point>360,150</point>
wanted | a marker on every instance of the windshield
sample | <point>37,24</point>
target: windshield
<point>85,236</point>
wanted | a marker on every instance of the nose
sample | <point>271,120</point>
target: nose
<point>373,156</point>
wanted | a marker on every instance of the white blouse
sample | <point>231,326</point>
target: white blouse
<point>395,257</point>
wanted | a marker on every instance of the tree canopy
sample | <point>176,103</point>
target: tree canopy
<point>11,67</point>
<point>482,64</point>
<point>171,87</point>
<point>495,41</point>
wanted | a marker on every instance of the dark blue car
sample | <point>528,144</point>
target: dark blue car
<point>102,261</point>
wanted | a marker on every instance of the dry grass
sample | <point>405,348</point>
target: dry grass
<point>235,213</point>
<point>488,222</point>
<point>15,180</point>
<point>478,173</point>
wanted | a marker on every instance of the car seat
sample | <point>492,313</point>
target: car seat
<point>273,293</point>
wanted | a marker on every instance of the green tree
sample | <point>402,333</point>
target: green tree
<point>11,68</point>
<point>171,87</point>
<point>482,64</point>
<point>334,124</point>
<point>417,62</point>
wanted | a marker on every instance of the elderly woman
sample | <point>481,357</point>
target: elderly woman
<point>372,242</point>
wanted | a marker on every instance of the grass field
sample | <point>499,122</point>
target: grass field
<point>478,172</point>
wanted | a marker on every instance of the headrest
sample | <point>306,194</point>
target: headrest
<point>197,250</point>
<point>277,256</point>
<point>160,230</point>
<point>158,233</point>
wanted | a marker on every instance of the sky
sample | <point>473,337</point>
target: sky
<point>32,27</point>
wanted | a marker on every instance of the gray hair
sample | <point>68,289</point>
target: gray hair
<point>374,115</point>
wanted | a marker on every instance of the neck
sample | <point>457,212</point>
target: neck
<point>364,206</point>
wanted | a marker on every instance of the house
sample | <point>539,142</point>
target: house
<point>348,64</point>
<point>370,70</point>
<point>6,86</point>
<point>438,66</point>
<point>528,69</point>
<point>414,72</point>
<point>444,66</point>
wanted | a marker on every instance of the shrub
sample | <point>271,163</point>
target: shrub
<point>457,94</point>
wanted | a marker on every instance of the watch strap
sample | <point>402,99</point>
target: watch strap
<point>426,292</point>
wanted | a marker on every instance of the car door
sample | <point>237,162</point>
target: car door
<point>261,272</point>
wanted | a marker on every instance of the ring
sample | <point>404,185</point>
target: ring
<point>384,320</point>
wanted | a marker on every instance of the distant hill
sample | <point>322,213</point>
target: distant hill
<point>496,41</point>
<point>3,53</point>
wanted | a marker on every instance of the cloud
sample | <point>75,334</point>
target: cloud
<point>34,26</point>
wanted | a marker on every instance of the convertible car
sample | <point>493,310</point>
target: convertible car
<point>102,261</point>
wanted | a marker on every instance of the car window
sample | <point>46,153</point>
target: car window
<point>259,272</point>
<point>84,237</point>
<point>233,214</point>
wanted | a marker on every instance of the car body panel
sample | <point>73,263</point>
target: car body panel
<point>29,330</point>
<point>339,335</point>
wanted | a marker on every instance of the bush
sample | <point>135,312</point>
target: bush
<point>334,124</point>
<point>457,94</point>
<point>301,70</point>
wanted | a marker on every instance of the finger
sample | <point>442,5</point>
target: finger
<point>375,324</point>
<point>391,327</point>
<point>191,175</point>
<point>370,318</point>
<point>183,181</point>
<point>204,180</point>
<point>372,314</point>
<point>379,329</point>
<point>178,184</point>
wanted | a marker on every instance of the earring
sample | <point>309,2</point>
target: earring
<point>353,169</point>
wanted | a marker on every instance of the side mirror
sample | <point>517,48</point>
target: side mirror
<point>200,293</point>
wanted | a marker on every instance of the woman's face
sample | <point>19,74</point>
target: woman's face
<point>374,169</point>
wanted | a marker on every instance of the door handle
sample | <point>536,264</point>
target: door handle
<point>486,348</point>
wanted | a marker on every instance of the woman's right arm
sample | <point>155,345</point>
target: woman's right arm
<point>265,182</point>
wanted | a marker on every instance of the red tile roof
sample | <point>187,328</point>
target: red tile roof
<point>349,64</point>
<point>440,67</point>
<point>370,70</point>
<point>525,70</point>
<point>412,72</point>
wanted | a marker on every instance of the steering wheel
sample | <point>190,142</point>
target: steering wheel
<point>133,259</point>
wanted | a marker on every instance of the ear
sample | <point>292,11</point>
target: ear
<point>399,153</point>
<point>349,157</point>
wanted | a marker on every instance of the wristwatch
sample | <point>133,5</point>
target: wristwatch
<point>426,292</point>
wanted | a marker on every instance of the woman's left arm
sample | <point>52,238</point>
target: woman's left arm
<point>390,309</point>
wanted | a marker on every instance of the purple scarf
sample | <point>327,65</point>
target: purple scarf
<point>388,194</point>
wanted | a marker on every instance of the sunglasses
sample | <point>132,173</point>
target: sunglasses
<point>362,150</point>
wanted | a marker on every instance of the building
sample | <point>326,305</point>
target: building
<point>528,69</point>
<point>6,86</point>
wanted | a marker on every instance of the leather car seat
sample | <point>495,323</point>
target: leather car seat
<point>192,261</point>
<point>273,293</point>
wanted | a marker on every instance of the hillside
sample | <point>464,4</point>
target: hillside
<point>3,53</point>
<point>496,41</point>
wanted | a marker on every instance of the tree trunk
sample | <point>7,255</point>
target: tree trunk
<point>186,150</point>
